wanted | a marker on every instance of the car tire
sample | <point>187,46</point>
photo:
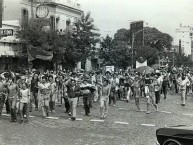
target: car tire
<point>173,143</point>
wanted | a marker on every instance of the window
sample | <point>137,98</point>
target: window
<point>25,14</point>
<point>83,65</point>
<point>52,22</point>
<point>191,44</point>
<point>57,23</point>
<point>68,24</point>
<point>10,47</point>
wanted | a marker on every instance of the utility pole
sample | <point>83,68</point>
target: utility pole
<point>1,12</point>
<point>132,51</point>
<point>180,47</point>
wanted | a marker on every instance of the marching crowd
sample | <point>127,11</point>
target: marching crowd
<point>33,91</point>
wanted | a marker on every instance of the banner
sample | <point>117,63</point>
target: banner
<point>138,64</point>
<point>38,53</point>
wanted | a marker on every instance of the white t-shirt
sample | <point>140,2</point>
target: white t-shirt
<point>93,80</point>
<point>117,84</point>
<point>25,96</point>
<point>183,84</point>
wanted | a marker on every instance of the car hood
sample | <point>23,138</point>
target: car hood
<point>176,131</point>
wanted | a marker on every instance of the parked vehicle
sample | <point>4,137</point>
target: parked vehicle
<point>176,135</point>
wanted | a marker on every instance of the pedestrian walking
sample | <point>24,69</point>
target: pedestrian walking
<point>113,94</point>
<point>13,91</point>
<point>45,91</point>
<point>3,95</point>
<point>104,100</point>
<point>183,90</point>
<point>85,89</point>
<point>72,91</point>
<point>136,93</point>
<point>52,94</point>
<point>24,94</point>
<point>165,85</point>
<point>34,90</point>
<point>151,96</point>
<point>157,85</point>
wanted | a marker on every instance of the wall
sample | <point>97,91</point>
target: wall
<point>11,10</point>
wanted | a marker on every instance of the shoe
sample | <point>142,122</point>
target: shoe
<point>88,115</point>
<point>21,121</point>
<point>104,116</point>
<point>183,104</point>
<point>26,121</point>
<point>156,108</point>
<point>147,112</point>
<point>69,114</point>
<point>114,105</point>
<point>73,118</point>
<point>164,97</point>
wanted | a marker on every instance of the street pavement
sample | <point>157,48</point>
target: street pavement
<point>123,125</point>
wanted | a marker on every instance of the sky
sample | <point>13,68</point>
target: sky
<point>165,15</point>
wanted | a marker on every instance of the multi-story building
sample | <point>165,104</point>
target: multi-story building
<point>184,37</point>
<point>61,13</point>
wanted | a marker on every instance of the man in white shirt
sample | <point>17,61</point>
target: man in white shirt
<point>157,84</point>
<point>183,85</point>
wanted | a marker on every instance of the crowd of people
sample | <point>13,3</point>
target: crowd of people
<point>22,93</point>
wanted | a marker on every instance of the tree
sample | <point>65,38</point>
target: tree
<point>69,48</point>
<point>35,33</point>
<point>157,39</point>
<point>154,40</point>
<point>84,37</point>
<point>114,52</point>
<point>148,53</point>
<point>106,52</point>
<point>182,59</point>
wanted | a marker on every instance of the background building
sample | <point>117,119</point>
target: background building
<point>62,13</point>
<point>184,37</point>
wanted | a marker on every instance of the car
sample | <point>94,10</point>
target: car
<point>175,135</point>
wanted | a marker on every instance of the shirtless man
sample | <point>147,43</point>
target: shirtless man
<point>13,90</point>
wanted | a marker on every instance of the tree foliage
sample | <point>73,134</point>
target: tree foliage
<point>120,52</point>
<point>157,39</point>
<point>182,59</point>
<point>84,37</point>
<point>114,53</point>
<point>68,48</point>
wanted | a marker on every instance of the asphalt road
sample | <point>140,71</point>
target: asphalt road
<point>123,126</point>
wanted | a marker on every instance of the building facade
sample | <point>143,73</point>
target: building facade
<point>62,13</point>
<point>184,38</point>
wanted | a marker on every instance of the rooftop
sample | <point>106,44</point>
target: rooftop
<point>69,3</point>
